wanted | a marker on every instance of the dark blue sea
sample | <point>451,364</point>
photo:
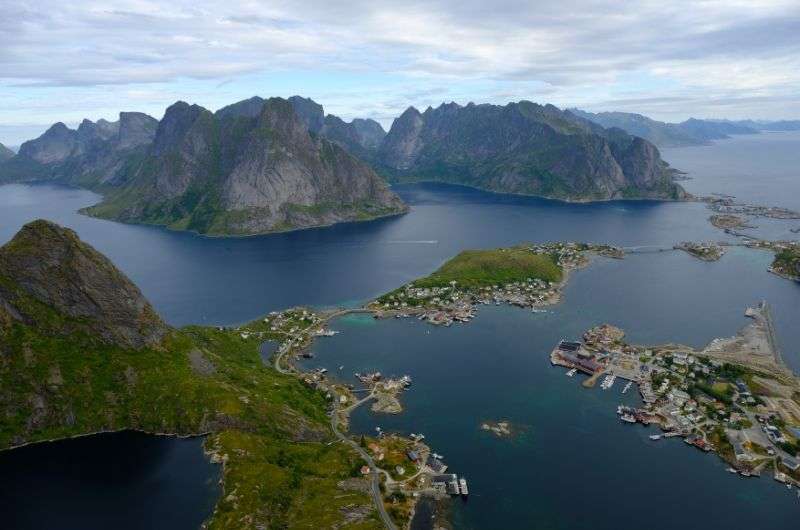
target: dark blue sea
<point>574,466</point>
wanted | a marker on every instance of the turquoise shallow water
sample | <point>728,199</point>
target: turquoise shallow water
<point>575,466</point>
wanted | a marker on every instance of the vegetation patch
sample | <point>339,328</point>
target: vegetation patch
<point>484,268</point>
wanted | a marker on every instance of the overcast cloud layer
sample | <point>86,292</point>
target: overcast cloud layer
<point>63,61</point>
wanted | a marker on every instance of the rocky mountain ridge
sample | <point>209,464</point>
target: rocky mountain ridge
<point>524,148</point>
<point>95,153</point>
<point>246,169</point>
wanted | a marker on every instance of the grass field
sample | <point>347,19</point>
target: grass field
<point>482,268</point>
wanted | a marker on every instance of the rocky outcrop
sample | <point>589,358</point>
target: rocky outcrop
<point>360,137</point>
<point>51,280</point>
<point>524,148</point>
<point>234,172</point>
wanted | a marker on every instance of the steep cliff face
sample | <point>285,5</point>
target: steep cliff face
<point>524,148</point>
<point>96,153</point>
<point>45,268</point>
<point>236,173</point>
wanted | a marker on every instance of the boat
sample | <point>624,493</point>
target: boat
<point>536,310</point>
<point>655,436</point>
<point>628,418</point>
<point>341,367</point>
<point>462,486</point>
<point>731,470</point>
<point>572,372</point>
<point>627,387</point>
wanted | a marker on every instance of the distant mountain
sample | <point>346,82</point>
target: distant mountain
<point>658,132</point>
<point>705,130</point>
<point>524,148</point>
<point>243,171</point>
<point>93,154</point>
<point>47,268</point>
<point>765,125</point>
<point>5,153</point>
<point>689,132</point>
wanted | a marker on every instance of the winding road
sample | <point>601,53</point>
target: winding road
<point>375,473</point>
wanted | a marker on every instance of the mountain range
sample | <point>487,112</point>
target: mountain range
<point>690,132</point>
<point>524,148</point>
<point>265,165</point>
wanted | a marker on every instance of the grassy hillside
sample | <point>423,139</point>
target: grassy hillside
<point>270,430</point>
<point>481,268</point>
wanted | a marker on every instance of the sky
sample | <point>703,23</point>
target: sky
<point>66,61</point>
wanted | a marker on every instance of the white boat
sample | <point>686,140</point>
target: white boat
<point>627,387</point>
<point>572,372</point>
<point>731,470</point>
<point>462,486</point>
<point>655,436</point>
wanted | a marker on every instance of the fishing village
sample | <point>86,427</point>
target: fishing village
<point>735,397</point>
<point>452,294</point>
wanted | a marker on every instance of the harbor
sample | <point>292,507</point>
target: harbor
<point>720,399</point>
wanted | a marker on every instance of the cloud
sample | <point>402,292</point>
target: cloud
<point>576,52</point>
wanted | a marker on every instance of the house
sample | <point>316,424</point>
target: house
<point>678,396</point>
<point>791,463</point>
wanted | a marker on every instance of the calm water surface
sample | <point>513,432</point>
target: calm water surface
<point>575,465</point>
<point>122,481</point>
<point>757,168</point>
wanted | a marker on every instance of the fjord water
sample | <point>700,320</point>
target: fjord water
<point>758,168</point>
<point>574,466</point>
<point>122,480</point>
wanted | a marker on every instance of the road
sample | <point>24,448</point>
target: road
<point>375,480</point>
<point>375,473</point>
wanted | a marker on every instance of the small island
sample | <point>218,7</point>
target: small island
<point>502,429</point>
<point>703,251</point>
<point>728,222</point>
<point>528,276</point>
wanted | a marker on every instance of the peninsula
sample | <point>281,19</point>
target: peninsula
<point>734,397</point>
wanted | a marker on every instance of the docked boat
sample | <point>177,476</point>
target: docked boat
<point>572,372</point>
<point>731,470</point>
<point>628,418</point>
<point>462,486</point>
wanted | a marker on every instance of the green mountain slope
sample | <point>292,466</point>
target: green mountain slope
<point>68,368</point>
